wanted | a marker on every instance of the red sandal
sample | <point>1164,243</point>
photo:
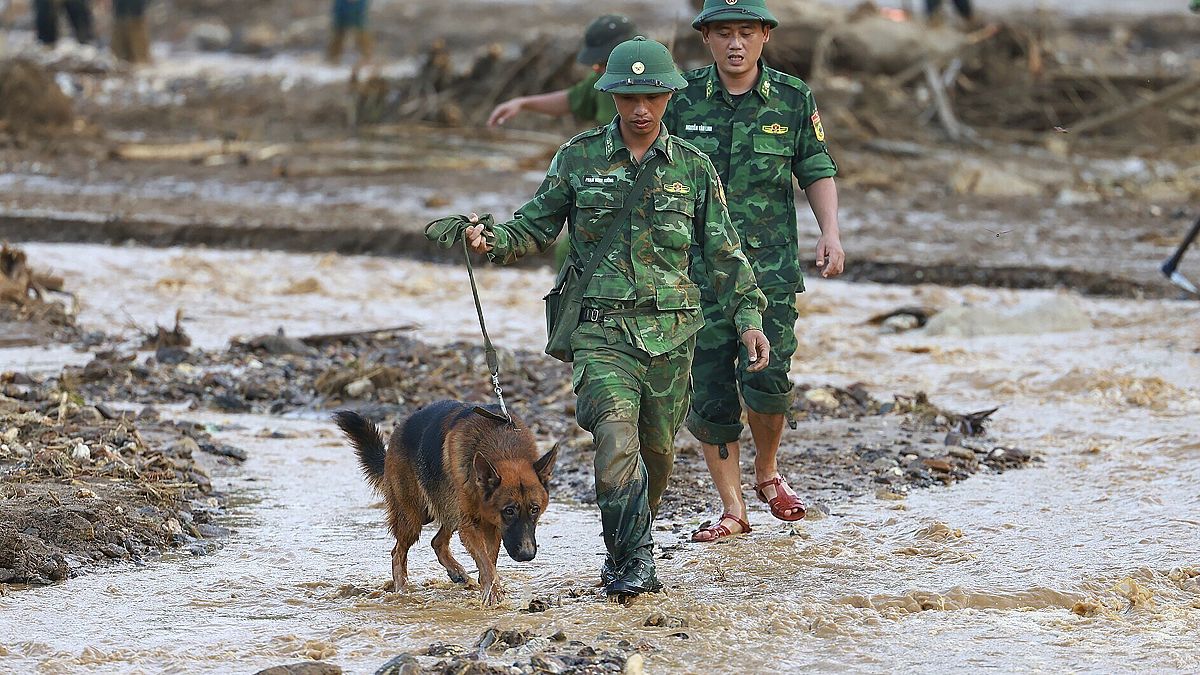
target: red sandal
<point>782,502</point>
<point>721,531</point>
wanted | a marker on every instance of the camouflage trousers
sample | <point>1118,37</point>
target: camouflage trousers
<point>720,362</point>
<point>616,382</point>
<point>633,404</point>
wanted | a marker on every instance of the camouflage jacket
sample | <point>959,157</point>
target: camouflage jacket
<point>647,267</point>
<point>757,145</point>
<point>588,105</point>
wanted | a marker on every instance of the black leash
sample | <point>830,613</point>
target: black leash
<point>489,351</point>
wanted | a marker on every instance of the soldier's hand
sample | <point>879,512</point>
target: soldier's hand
<point>474,235</point>
<point>830,256</point>
<point>758,348</point>
<point>504,112</point>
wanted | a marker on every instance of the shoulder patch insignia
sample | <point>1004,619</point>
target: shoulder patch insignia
<point>677,188</point>
<point>775,128</point>
<point>817,128</point>
<point>766,88</point>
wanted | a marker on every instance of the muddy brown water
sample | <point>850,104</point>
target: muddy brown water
<point>1086,563</point>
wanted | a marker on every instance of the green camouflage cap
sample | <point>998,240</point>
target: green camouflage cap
<point>640,66</point>
<point>602,35</point>
<point>734,10</point>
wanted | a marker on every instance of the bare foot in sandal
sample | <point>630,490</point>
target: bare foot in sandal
<point>724,527</point>
<point>785,504</point>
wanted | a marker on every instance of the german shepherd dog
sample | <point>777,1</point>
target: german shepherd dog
<point>468,469</point>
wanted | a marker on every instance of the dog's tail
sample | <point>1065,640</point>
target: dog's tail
<point>367,441</point>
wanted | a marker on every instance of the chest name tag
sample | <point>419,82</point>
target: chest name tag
<point>599,180</point>
<point>702,128</point>
<point>677,188</point>
<point>775,128</point>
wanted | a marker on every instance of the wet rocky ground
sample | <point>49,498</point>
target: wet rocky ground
<point>846,441</point>
<point>84,483</point>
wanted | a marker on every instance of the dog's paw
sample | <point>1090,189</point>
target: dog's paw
<point>493,595</point>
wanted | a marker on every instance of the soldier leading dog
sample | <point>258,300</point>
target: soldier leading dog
<point>472,473</point>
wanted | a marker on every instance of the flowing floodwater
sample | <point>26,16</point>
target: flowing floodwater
<point>1087,562</point>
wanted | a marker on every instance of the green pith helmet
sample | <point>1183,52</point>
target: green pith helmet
<point>734,10</point>
<point>640,66</point>
<point>602,35</point>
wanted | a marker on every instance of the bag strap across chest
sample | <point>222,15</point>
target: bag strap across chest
<point>635,196</point>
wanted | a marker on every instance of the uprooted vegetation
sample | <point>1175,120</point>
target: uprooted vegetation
<point>83,485</point>
<point>846,441</point>
<point>27,314</point>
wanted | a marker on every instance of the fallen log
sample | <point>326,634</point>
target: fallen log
<point>1163,97</point>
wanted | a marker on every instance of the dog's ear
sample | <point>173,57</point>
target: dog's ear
<point>486,474</point>
<point>545,466</point>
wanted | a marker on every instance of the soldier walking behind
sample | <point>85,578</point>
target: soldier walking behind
<point>633,347</point>
<point>581,100</point>
<point>130,37</point>
<point>760,127</point>
<point>350,16</point>
<point>79,15</point>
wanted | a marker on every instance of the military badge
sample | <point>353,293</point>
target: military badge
<point>731,2</point>
<point>776,128</point>
<point>766,88</point>
<point>677,188</point>
<point>817,128</point>
<point>638,67</point>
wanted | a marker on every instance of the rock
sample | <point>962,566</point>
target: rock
<point>210,36</point>
<point>445,649</point>
<point>974,178</point>
<point>358,388</point>
<point>899,323</point>
<point>938,465</point>
<point>546,664</point>
<point>1059,314</point>
<point>405,664</point>
<point>822,397</point>
<point>303,668</point>
<point>661,620</point>
<point>954,438</point>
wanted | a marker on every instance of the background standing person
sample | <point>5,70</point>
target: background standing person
<point>350,16</point>
<point>933,9</point>
<point>760,127</point>
<point>581,100</point>
<point>131,36</point>
<point>633,347</point>
<point>79,15</point>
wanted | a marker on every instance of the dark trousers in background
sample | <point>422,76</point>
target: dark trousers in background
<point>963,6</point>
<point>79,15</point>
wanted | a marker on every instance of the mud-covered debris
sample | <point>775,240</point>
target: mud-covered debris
<point>79,488</point>
<point>31,102</point>
<point>928,414</point>
<point>24,303</point>
<point>902,319</point>
<point>168,340</point>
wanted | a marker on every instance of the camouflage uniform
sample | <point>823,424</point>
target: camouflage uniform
<point>589,105</point>
<point>757,144</point>
<point>631,367</point>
